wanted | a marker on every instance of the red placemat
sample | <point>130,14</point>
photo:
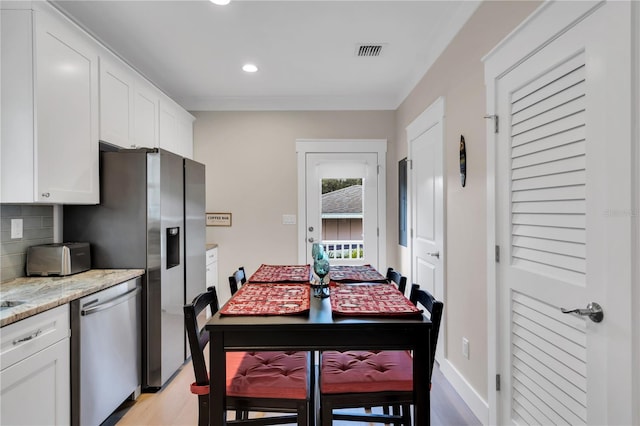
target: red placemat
<point>282,274</point>
<point>269,299</point>
<point>356,273</point>
<point>370,299</point>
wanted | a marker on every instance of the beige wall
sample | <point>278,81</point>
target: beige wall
<point>458,76</point>
<point>251,171</point>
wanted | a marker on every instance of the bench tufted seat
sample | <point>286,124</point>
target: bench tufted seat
<point>268,374</point>
<point>366,371</point>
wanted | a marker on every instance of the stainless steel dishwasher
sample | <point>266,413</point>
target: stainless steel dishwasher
<point>105,352</point>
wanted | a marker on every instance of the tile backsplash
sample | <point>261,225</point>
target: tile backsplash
<point>37,222</point>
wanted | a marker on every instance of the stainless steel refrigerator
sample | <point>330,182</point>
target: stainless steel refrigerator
<point>140,223</point>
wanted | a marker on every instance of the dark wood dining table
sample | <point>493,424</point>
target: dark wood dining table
<point>319,329</point>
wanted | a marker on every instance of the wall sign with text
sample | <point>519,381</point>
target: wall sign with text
<point>218,219</point>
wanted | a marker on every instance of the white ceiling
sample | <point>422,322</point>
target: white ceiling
<point>305,50</point>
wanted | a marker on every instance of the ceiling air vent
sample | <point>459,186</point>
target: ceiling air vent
<point>371,49</point>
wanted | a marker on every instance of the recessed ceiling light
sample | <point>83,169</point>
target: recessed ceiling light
<point>220,2</point>
<point>249,68</point>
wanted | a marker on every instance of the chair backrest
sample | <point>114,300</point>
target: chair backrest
<point>398,278</point>
<point>435,308</point>
<point>236,280</point>
<point>199,337</point>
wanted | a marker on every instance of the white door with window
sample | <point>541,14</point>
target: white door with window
<point>560,87</point>
<point>345,216</point>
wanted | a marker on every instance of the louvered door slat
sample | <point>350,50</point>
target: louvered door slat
<point>552,141</point>
<point>550,194</point>
<point>531,90</point>
<point>550,322</point>
<point>559,342</point>
<point>569,235</point>
<point>563,414</point>
<point>552,246</point>
<point>566,405</point>
<point>570,150</point>
<point>567,178</point>
<point>549,129</point>
<point>563,89</point>
<point>550,168</point>
<point>561,369</point>
<point>526,413</point>
<point>554,272</point>
<point>560,207</point>
<point>552,220</point>
<point>554,113</point>
<point>574,388</point>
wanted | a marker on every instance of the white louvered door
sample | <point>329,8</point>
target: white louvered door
<point>561,151</point>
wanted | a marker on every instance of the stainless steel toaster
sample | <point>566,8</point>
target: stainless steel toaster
<point>58,259</point>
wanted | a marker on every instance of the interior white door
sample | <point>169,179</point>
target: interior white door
<point>425,137</point>
<point>320,166</point>
<point>562,167</point>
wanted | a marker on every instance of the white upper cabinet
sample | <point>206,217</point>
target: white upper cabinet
<point>129,106</point>
<point>146,104</point>
<point>116,103</point>
<point>50,106</point>
<point>176,128</point>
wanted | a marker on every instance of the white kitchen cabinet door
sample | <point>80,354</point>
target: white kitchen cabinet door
<point>146,104</point>
<point>116,103</point>
<point>36,390</point>
<point>212,269</point>
<point>49,110</point>
<point>35,370</point>
<point>185,133</point>
<point>66,93</point>
<point>176,128</point>
<point>168,125</point>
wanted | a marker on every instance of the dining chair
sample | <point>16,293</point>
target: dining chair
<point>396,277</point>
<point>270,382</point>
<point>236,280</point>
<point>365,379</point>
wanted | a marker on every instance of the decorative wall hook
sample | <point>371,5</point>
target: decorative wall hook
<point>463,162</point>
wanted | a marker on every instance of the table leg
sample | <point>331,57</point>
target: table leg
<point>421,363</point>
<point>217,380</point>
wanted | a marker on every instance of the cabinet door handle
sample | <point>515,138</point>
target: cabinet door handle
<point>25,339</point>
<point>46,194</point>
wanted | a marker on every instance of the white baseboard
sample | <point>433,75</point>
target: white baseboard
<point>478,406</point>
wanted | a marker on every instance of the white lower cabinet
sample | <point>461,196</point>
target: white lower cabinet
<point>34,376</point>
<point>212,269</point>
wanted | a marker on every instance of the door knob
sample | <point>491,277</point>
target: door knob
<point>593,311</point>
<point>436,254</point>
<point>311,239</point>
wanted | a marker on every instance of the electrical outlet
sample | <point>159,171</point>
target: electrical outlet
<point>16,228</point>
<point>288,219</point>
<point>465,347</point>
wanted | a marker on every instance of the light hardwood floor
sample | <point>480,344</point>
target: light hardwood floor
<point>175,405</point>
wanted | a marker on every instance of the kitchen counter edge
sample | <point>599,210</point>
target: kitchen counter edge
<point>40,294</point>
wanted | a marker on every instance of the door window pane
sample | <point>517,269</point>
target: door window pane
<point>342,218</point>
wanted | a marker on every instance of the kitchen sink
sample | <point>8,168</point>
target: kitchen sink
<point>4,304</point>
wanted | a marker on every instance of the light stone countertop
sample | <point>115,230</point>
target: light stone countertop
<point>44,293</point>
